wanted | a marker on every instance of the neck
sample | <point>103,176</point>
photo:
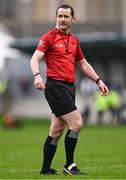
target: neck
<point>65,31</point>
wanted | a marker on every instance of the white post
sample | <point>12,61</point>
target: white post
<point>124,18</point>
<point>53,4</point>
<point>26,18</point>
<point>82,10</point>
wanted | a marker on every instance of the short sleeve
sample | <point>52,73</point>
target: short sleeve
<point>43,44</point>
<point>79,54</point>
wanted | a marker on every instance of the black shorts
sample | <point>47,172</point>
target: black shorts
<point>60,96</point>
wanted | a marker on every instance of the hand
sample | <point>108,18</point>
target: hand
<point>103,88</point>
<point>39,82</point>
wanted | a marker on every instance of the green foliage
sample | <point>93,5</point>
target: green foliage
<point>101,152</point>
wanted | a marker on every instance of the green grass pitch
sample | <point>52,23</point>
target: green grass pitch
<point>101,152</point>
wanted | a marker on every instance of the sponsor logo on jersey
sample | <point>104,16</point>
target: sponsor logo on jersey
<point>59,45</point>
<point>41,43</point>
<point>74,46</point>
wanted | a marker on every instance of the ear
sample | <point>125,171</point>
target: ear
<point>73,19</point>
<point>56,19</point>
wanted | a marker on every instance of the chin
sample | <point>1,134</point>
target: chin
<point>63,27</point>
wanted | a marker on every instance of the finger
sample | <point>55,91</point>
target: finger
<point>40,89</point>
<point>105,92</point>
<point>38,86</point>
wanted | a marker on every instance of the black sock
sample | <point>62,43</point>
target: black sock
<point>49,150</point>
<point>70,144</point>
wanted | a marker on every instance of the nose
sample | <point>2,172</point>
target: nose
<point>63,18</point>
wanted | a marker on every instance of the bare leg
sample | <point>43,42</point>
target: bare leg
<point>57,127</point>
<point>74,120</point>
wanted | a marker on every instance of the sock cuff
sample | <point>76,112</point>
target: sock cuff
<point>52,140</point>
<point>72,134</point>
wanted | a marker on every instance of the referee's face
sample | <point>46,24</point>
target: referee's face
<point>64,19</point>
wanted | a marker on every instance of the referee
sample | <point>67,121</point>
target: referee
<point>61,51</point>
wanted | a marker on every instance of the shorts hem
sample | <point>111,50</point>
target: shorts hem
<point>66,112</point>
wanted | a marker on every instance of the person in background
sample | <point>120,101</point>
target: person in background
<point>88,90</point>
<point>110,103</point>
<point>61,51</point>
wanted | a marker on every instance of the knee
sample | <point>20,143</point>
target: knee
<point>78,125</point>
<point>77,122</point>
<point>57,133</point>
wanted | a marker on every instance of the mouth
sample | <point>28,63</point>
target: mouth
<point>63,24</point>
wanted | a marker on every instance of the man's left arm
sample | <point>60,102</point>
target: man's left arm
<point>88,70</point>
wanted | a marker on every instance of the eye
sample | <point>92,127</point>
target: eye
<point>60,16</point>
<point>66,16</point>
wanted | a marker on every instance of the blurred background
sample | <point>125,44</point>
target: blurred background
<point>101,29</point>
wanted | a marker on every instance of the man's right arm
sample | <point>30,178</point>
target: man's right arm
<point>34,63</point>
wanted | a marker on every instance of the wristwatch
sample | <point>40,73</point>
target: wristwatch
<point>97,80</point>
<point>36,74</point>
